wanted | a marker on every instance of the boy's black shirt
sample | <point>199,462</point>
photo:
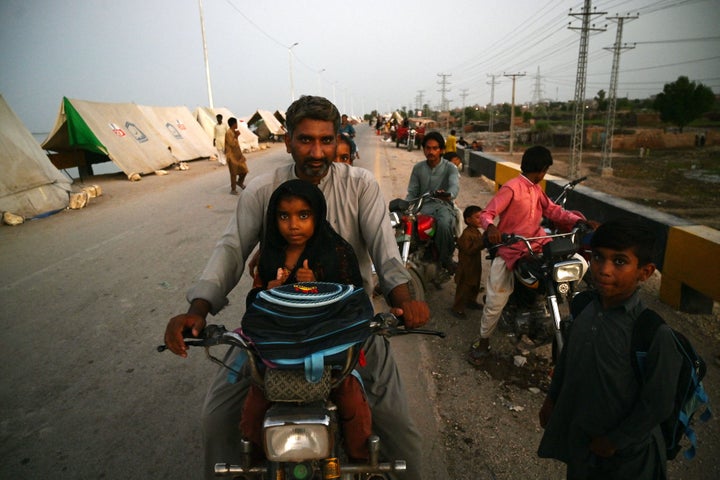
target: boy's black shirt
<point>596,391</point>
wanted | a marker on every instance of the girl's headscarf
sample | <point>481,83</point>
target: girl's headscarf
<point>329,256</point>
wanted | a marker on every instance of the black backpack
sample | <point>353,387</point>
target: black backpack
<point>690,395</point>
<point>307,325</point>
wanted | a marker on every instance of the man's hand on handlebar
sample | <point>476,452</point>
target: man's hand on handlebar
<point>493,234</point>
<point>442,195</point>
<point>193,320</point>
<point>414,312</point>
<point>587,225</point>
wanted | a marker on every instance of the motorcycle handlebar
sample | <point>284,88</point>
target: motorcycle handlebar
<point>385,324</point>
<point>510,238</point>
<point>575,182</point>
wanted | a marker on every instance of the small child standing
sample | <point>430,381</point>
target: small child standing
<point>601,418</point>
<point>469,270</point>
<point>300,245</point>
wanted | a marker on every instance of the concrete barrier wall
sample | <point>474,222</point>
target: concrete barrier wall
<point>688,254</point>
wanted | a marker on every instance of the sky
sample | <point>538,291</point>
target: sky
<point>363,55</point>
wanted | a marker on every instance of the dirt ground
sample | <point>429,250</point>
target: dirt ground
<point>489,413</point>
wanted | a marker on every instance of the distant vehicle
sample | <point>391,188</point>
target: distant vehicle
<point>403,133</point>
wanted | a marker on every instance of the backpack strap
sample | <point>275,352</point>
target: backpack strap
<point>580,301</point>
<point>646,325</point>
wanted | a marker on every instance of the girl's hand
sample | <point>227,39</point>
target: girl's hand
<point>282,275</point>
<point>304,274</point>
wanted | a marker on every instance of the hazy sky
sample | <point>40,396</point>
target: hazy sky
<point>376,54</point>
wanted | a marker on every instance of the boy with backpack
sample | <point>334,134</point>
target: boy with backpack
<point>603,413</point>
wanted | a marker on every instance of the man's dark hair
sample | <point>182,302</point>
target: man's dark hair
<point>452,132</point>
<point>232,121</point>
<point>626,234</point>
<point>536,159</point>
<point>470,211</point>
<point>218,117</point>
<point>315,108</point>
<point>434,136</point>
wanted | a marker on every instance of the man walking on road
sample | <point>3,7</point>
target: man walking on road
<point>219,139</point>
<point>356,209</point>
<point>235,158</point>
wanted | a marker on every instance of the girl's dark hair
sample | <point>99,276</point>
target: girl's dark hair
<point>349,142</point>
<point>627,234</point>
<point>536,159</point>
<point>330,256</point>
<point>293,189</point>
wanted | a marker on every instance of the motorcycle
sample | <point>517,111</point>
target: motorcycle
<point>411,139</point>
<point>544,285</point>
<point>561,199</point>
<point>301,431</point>
<point>414,233</point>
<point>551,228</point>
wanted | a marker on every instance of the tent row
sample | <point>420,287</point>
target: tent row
<point>142,139</point>
<point>138,139</point>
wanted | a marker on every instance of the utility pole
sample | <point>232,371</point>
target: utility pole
<point>606,158</point>
<point>444,104</point>
<point>537,89</point>
<point>290,62</point>
<point>577,138</point>
<point>464,95</point>
<point>512,108</point>
<point>320,82</point>
<point>419,101</point>
<point>205,52</point>
<point>492,84</point>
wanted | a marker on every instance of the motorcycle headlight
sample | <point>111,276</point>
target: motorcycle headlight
<point>568,271</point>
<point>297,438</point>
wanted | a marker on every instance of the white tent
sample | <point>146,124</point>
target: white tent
<point>180,131</point>
<point>206,118</point>
<point>265,124</point>
<point>30,185</point>
<point>119,131</point>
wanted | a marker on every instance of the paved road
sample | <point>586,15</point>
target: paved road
<point>86,296</point>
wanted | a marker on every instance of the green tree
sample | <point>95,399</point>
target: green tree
<point>683,101</point>
<point>602,102</point>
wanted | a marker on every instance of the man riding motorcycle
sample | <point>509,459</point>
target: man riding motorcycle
<point>437,175</point>
<point>356,208</point>
<point>521,204</point>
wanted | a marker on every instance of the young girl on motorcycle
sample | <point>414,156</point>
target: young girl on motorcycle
<point>300,245</point>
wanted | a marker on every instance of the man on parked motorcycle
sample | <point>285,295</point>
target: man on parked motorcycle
<point>437,175</point>
<point>520,203</point>
<point>356,209</point>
